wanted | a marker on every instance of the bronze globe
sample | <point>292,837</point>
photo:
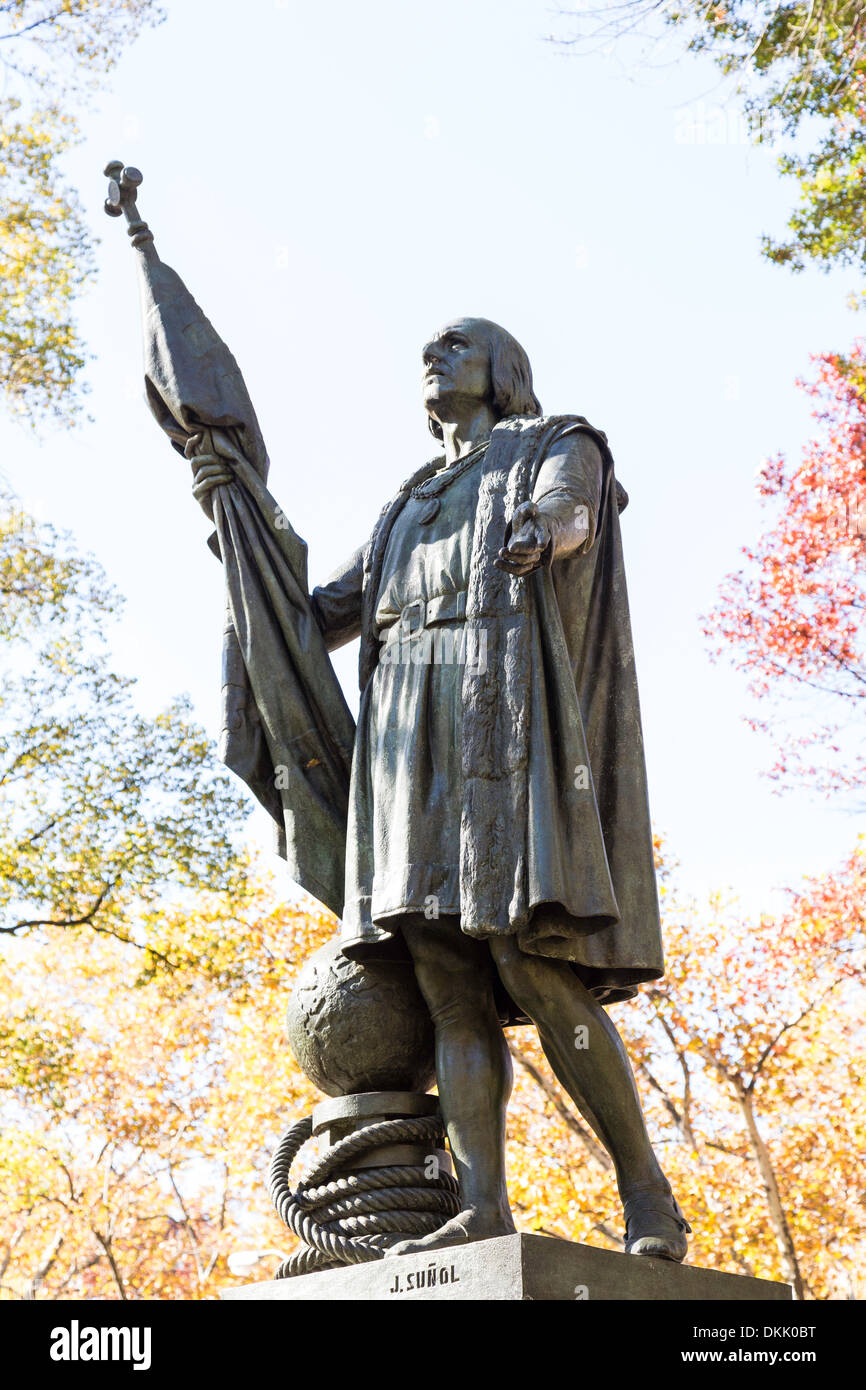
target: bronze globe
<point>356,1028</point>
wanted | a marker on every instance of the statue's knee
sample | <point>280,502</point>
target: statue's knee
<point>453,995</point>
<point>521,974</point>
<point>456,1011</point>
<point>453,972</point>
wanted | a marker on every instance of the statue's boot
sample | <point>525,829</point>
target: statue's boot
<point>464,1227</point>
<point>655,1225</point>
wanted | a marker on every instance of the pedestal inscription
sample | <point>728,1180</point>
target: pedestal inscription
<point>516,1268</point>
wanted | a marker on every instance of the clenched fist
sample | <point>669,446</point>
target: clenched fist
<point>529,539</point>
<point>209,470</point>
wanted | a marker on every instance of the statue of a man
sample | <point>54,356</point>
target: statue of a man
<point>497,816</point>
<point>489,814</point>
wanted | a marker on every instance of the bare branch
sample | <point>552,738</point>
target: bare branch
<point>37,24</point>
<point>62,922</point>
<point>105,1242</point>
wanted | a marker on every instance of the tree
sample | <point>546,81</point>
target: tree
<point>792,616</point>
<point>102,811</point>
<point>747,1057</point>
<point>800,66</point>
<point>129,1023</point>
<point>54,54</point>
<point>139,1116</point>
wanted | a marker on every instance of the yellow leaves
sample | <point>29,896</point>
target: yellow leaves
<point>46,252</point>
<point>732,987</point>
<point>171,1083</point>
<point>72,44</point>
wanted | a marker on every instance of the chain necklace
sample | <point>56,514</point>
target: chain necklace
<point>430,490</point>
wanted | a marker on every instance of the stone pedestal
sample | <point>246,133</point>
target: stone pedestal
<point>514,1268</point>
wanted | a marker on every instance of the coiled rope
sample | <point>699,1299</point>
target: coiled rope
<point>355,1218</point>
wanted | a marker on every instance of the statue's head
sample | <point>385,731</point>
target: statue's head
<point>472,361</point>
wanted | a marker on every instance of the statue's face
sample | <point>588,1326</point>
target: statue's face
<point>456,366</point>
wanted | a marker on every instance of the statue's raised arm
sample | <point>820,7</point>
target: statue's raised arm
<point>192,380</point>
<point>287,731</point>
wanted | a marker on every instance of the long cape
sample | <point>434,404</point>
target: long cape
<point>580,887</point>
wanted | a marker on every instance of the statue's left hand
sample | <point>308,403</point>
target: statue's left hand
<point>209,471</point>
<point>530,538</point>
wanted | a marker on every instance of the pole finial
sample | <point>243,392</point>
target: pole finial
<point>123,184</point>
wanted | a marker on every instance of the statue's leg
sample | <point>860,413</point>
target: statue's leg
<point>589,1059</point>
<point>473,1072</point>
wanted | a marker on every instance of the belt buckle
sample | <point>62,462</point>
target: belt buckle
<point>406,628</point>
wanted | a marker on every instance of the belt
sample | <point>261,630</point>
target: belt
<point>422,613</point>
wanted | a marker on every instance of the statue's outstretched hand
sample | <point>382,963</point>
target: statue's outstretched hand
<point>210,469</point>
<point>530,537</point>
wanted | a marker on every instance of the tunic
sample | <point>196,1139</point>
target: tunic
<point>403,841</point>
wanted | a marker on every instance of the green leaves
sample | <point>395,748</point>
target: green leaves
<point>53,55</point>
<point>102,810</point>
<point>800,67</point>
<point>45,262</point>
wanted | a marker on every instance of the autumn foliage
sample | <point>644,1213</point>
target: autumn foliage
<point>799,68</point>
<point>749,1059</point>
<point>139,1114</point>
<point>56,54</point>
<point>792,616</point>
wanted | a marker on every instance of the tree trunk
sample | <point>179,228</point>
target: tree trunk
<point>778,1220</point>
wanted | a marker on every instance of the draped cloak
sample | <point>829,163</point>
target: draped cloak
<point>561,636</point>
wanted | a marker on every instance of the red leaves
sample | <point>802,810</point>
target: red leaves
<point>792,613</point>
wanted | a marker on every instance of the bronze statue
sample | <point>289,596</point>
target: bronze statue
<point>489,813</point>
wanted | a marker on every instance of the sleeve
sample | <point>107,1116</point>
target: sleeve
<point>568,492</point>
<point>336,604</point>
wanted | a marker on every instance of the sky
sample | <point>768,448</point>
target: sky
<point>333,182</point>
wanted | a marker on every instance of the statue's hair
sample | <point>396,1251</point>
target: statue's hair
<point>510,376</point>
